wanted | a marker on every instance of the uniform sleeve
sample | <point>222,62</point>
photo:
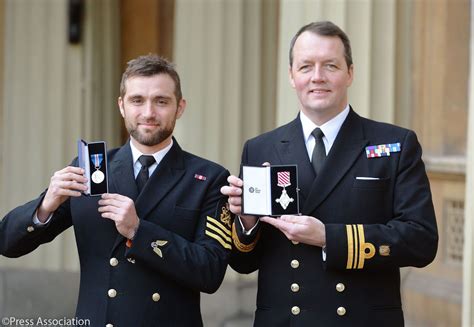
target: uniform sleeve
<point>409,238</point>
<point>199,264</point>
<point>20,236</point>
<point>246,250</point>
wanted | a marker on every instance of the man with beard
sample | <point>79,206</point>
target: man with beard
<point>160,237</point>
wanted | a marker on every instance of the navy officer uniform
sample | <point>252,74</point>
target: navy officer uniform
<point>378,214</point>
<point>365,202</point>
<point>181,246</point>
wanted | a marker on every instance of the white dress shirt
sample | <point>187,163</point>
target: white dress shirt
<point>330,130</point>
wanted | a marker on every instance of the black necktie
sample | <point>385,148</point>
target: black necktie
<point>319,151</point>
<point>143,175</point>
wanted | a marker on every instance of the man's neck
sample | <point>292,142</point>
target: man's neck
<point>320,118</point>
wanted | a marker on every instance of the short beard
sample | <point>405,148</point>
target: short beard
<point>149,139</point>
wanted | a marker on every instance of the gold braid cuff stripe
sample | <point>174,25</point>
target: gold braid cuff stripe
<point>358,250</point>
<point>239,245</point>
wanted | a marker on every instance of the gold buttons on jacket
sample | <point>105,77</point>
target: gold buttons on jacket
<point>113,262</point>
<point>341,311</point>
<point>109,325</point>
<point>295,263</point>
<point>295,242</point>
<point>295,287</point>
<point>112,293</point>
<point>295,310</point>
<point>30,229</point>
<point>156,297</point>
<point>340,287</point>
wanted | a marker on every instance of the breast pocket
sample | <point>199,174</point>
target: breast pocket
<point>370,200</point>
<point>185,221</point>
<point>369,184</point>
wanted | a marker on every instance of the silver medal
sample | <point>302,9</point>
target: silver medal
<point>284,181</point>
<point>98,177</point>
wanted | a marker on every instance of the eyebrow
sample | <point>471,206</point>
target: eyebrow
<point>136,96</point>
<point>309,61</point>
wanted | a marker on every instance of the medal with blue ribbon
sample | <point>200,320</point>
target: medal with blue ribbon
<point>98,176</point>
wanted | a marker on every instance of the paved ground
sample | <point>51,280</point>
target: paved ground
<point>30,294</point>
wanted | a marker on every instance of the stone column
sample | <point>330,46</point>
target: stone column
<point>468,264</point>
<point>55,92</point>
<point>227,78</point>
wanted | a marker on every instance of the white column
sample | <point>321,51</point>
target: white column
<point>468,261</point>
<point>54,94</point>
<point>217,49</point>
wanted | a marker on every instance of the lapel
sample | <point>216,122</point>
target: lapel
<point>164,178</point>
<point>291,149</point>
<point>166,175</point>
<point>121,177</point>
<point>347,147</point>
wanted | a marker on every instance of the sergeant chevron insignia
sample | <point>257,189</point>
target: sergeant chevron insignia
<point>218,231</point>
<point>156,247</point>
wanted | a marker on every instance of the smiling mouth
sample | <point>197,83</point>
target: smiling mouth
<point>148,124</point>
<point>319,91</point>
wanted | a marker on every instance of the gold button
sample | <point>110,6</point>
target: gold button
<point>295,310</point>
<point>340,287</point>
<point>295,287</point>
<point>156,297</point>
<point>112,293</point>
<point>341,311</point>
<point>295,242</point>
<point>30,229</point>
<point>113,262</point>
<point>109,325</point>
<point>295,264</point>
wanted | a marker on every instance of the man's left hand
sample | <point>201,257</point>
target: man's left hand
<point>303,229</point>
<point>121,210</point>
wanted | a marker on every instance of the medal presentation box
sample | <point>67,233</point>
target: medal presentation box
<point>270,191</point>
<point>93,159</point>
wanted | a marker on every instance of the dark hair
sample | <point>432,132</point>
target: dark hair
<point>324,28</point>
<point>151,65</point>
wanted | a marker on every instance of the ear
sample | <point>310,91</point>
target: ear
<point>350,71</point>
<point>290,76</point>
<point>120,104</point>
<point>181,108</point>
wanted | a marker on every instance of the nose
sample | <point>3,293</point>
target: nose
<point>148,110</point>
<point>318,75</point>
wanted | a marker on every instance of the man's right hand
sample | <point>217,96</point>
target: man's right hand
<point>234,192</point>
<point>65,183</point>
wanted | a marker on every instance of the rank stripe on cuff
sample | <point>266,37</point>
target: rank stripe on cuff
<point>220,232</point>
<point>350,247</point>
<point>239,245</point>
<point>219,239</point>
<point>218,224</point>
<point>357,247</point>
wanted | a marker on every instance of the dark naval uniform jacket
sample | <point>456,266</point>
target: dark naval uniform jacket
<point>181,247</point>
<point>378,215</point>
